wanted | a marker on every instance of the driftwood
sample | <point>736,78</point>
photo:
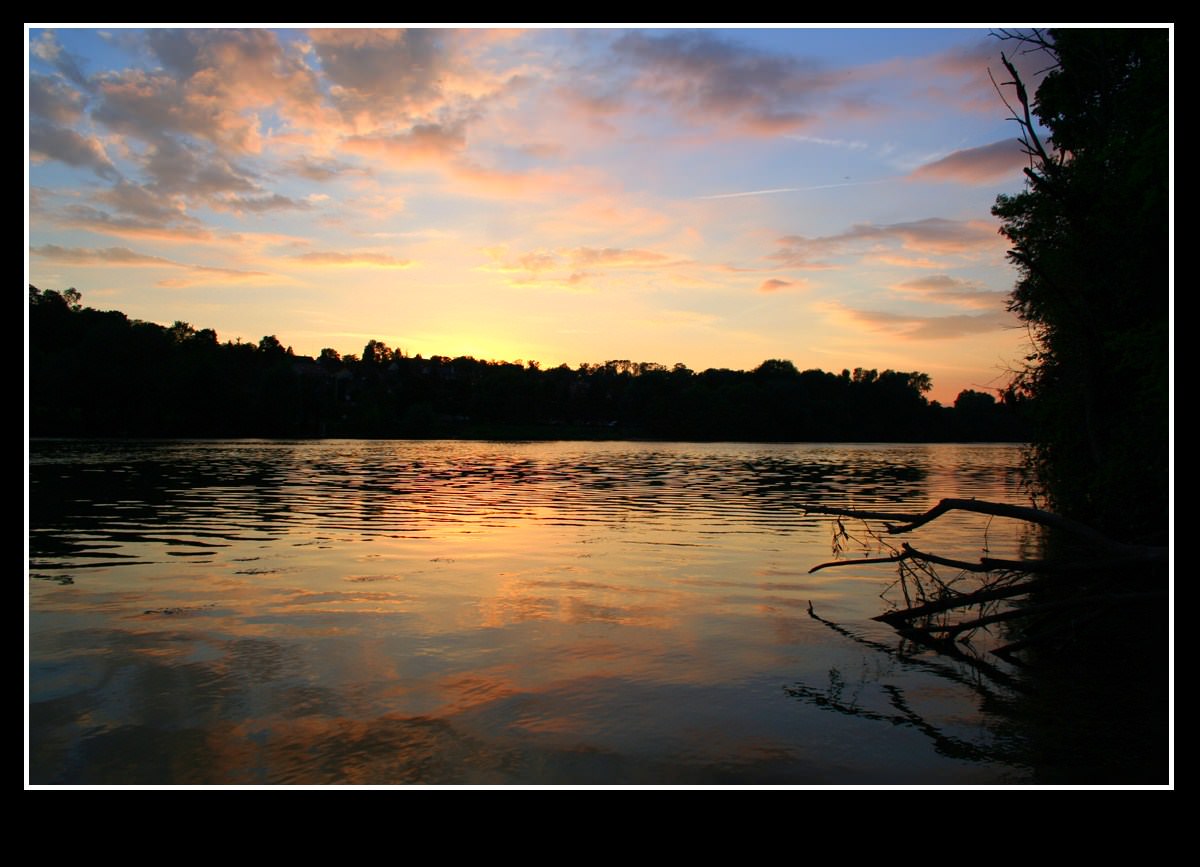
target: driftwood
<point>931,602</point>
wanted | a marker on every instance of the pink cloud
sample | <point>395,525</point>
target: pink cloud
<point>944,289</point>
<point>97,256</point>
<point>931,236</point>
<point>335,258</point>
<point>123,257</point>
<point>611,257</point>
<point>979,165</point>
<point>910,327</point>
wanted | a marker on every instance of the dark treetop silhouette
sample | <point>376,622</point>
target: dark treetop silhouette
<point>1090,238</point>
<point>96,373</point>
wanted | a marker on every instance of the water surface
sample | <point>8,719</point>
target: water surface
<point>465,612</point>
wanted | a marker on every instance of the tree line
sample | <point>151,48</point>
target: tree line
<point>101,374</point>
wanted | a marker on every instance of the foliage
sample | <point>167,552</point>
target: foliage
<point>96,373</point>
<point>1090,238</point>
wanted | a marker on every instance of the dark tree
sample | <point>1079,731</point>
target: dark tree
<point>1090,239</point>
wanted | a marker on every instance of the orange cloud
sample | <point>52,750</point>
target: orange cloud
<point>423,143</point>
<point>216,83</point>
<point>903,261</point>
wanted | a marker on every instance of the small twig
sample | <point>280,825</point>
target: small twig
<point>863,560</point>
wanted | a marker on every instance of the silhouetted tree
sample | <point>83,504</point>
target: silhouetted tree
<point>1090,241</point>
<point>97,373</point>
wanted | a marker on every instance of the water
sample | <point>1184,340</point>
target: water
<point>250,612</point>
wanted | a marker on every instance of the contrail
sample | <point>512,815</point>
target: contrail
<point>790,190</point>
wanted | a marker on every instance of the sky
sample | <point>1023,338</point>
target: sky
<point>711,197</point>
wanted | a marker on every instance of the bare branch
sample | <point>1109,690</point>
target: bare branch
<point>895,558</point>
<point>1143,553</point>
<point>1026,124</point>
<point>987,594</point>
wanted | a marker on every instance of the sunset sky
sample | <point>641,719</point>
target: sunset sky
<point>711,197</point>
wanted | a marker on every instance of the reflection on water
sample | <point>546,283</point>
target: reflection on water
<point>464,612</point>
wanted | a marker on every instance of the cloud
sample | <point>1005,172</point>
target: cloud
<point>479,181</point>
<point>967,60</point>
<point>579,257</point>
<point>152,106</point>
<point>944,289</point>
<point>980,165</point>
<point>54,100</point>
<point>542,150</point>
<point>182,229</point>
<point>189,132</point>
<point>178,50</point>
<point>67,146</point>
<point>213,85</point>
<point>227,78</point>
<point>935,235</point>
<point>932,236</point>
<point>422,143</point>
<point>147,203</point>
<point>706,79</point>
<point>97,256</point>
<point>202,275</point>
<point>257,204</point>
<point>320,169</point>
<point>776,285</point>
<point>46,48</point>
<point>382,72</point>
<point>124,257</point>
<point>969,66</point>
<point>535,262</point>
<point>182,173</point>
<point>851,144</point>
<point>176,167</point>
<point>352,260</point>
<point>903,261</point>
<point>571,268</point>
<point>615,258</point>
<point>910,327</point>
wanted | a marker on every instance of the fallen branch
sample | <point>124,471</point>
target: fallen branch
<point>927,596</point>
<point>1133,553</point>
<point>989,594</point>
<point>946,672</point>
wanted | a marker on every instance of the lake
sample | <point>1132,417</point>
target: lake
<point>449,612</point>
